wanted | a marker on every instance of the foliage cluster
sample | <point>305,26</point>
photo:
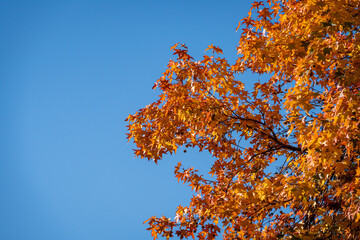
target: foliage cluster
<point>305,118</point>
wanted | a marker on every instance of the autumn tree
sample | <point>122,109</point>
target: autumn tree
<point>285,153</point>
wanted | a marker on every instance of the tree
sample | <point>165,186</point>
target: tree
<point>303,121</point>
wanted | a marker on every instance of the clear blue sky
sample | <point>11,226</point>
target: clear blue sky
<point>70,73</point>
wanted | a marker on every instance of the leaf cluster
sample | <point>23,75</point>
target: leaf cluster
<point>305,119</point>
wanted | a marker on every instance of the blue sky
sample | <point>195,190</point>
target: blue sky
<point>70,73</point>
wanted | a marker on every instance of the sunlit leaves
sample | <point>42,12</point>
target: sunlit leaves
<point>286,154</point>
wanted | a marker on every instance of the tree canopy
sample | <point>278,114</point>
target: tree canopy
<point>286,152</point>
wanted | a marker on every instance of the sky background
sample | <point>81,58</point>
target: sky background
<point>70,73</point>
